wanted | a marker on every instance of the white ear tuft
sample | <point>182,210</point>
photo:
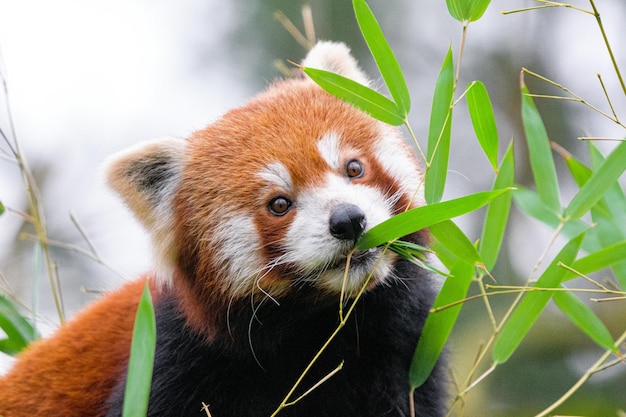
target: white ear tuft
<point>147,176</point>
<point>335,57</point>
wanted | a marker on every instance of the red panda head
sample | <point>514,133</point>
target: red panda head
<point>273,196</point>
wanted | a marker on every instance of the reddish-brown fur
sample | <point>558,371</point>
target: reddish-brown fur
<point>73,372</point>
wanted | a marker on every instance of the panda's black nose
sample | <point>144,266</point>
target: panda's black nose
<point>347,222</point>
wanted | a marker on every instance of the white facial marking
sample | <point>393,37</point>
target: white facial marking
<point>320,256</point>
<point>277,174</point>
<point>238,249</point>
<point>397,159</point>
<point>328,147</point>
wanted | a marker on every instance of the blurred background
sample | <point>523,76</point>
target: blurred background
<point>89,78</point>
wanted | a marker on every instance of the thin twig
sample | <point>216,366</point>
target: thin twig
<point>594,368</point>
<point>34,202</point>
<point>585,277</point>
<point>205,408</point>
<point>460,57</point>
<point>546,5</point>
<point>606,95</point>
<point>309,27</point>
<point>320,382</point>
<point>479,379</point>
<point>492,317</point>
<point>82,232</point>
<point>601,300</point>
<point>608,45</point>
<point>94,256</point>
<point>574,97</point>
<point>599,138</point>
<point>286,402</point>
<point>293,30</point>
<point>414,138</point>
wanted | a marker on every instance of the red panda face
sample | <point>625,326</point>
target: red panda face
<point>273,196</point>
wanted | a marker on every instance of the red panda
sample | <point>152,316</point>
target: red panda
<point>252,220</point>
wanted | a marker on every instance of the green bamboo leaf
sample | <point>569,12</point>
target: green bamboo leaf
<point>383,56</point>
<point>416,254</point>
<point>20,333</point>
<point>139,378</point>
<point>448,258</point>
<point>497,214</point>
<point>611,223</point>
<point>599,183</point>
<point>581,174</point>
<point>450,236</point>
<point>364,98</point>
<point>533,303</point>
<point>439,132</point>
<point>421,217</point>
<point>540,154</point>
<point>439,324</point>
<point>599,212</point>
<point>1,207</point>
<point>614,197</point>
<point>467,10</point>
<point>583,317</point>
<point>483,120</point>
<point>603,258</point>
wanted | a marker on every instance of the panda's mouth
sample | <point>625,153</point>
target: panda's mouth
<point>358,258</point>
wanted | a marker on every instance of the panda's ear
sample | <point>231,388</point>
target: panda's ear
<point>335,57</point>
<point>147,177</point>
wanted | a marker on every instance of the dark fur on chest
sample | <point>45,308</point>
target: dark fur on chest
<point>249,374</point>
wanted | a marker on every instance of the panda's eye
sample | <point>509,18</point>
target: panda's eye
<point>354,168</point>
<point>279,206</point>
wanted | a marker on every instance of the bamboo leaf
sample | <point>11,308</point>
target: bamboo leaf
<point>614,197</point>
<point>483,120</point>
<point>364,98</point>
<point>421,217</point>
<point>139,378</point>
<point>581,174</point>
<point>20,333</point>
<point>455,241</point>
<point>583,317</point>
<point>439,132</point>
<point>603,258</point>
<point>1,208</point>
<point>540,154</point>
<point>533,303</point>
<point>448,258</point>
<point>383,56</point>
<point>610,217</point>
<point>497,214</point>
<point>439,324</point>
<point>467,10</point>
<point>599,183</point>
